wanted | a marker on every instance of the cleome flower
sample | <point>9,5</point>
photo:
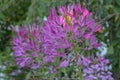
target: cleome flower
<point>27,46</point>
<point>96,68</point>
<point>60,39</point>
<point>66,29</point>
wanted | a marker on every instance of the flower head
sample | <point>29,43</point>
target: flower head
<point>65,63</point>
<point>27,46</point>
<point>65,30</point>
<point>97,69</point>
<point>72,24</point>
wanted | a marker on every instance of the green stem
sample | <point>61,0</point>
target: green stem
<point>106,18</point>
<point>80,73</point>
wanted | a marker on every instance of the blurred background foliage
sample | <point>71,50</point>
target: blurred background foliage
<point>18,12</point>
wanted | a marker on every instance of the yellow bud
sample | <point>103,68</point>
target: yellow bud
<point>68,20</point>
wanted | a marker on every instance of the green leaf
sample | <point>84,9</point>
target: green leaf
<point>118,2</point>
<point>87,43</point>
<point>28,76</point>
<point>118,34</point>
<point>111,50</point>
<point>2,16</point>
<point>116,9</point>
<point>108,6</point>
<point>101,1</point>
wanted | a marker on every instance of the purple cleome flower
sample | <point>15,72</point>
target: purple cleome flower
<point>96,69</point>
<point>65,63</point>
<point>27,47</point>
<point>68,27</point>
<point>57,37</point>
<point>72,25</point>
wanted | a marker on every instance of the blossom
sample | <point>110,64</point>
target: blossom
<point>66,31</point>
<point>27,46</point>
<point>52,70</point>
<point>96,69</point>
<point>70,24</point>
<point>67,27</point>
<point>65,63</point>
<point>79,63</point>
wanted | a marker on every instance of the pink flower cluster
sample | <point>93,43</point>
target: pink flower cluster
<point>72,24</point>
<point>69,26</point>
<point>96,68</point>
<point>27,47</point>
<point>57,37</point>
